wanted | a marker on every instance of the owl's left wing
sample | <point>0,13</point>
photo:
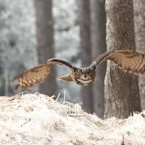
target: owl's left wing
<point>30,77</point>
<point>127,60</point>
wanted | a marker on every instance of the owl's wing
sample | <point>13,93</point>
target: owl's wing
<point>60,62</point>
<point>31,77</point>
<point>127,60</point>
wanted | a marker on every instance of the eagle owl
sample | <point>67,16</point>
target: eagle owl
<point>127,60</point>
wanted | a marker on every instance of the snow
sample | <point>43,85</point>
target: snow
<point>38,119</point>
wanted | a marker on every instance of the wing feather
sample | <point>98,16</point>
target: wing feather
<point>127,60</point>
<point>37,74</point>
<point>61,62</point>
<point>33,76</point>
<point>101,58</point>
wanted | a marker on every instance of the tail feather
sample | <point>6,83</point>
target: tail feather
<point>67,78</point>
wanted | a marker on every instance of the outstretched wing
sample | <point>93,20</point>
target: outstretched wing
<point>60,62</point>
<point>127,60</point>
<point>33,76</point>
<point>37,74</point>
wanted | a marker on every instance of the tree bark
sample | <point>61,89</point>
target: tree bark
<point>45,37</point>
<point>98,43</point>
<point>85,47</point>
<point>121,90</point>
<point>139,19</point>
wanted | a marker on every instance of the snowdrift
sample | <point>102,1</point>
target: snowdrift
<point>36,119</point>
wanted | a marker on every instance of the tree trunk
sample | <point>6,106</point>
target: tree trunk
<point>98,43</point>
<point>87,93</point>
<point>121,90</point>
<point>139,19</point>
<point>45,42</point>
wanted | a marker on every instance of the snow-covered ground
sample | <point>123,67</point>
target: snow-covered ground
<point>38,119</point>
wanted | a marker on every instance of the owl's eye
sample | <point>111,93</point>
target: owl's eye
<point>89,71</point>
<point>77,71</point>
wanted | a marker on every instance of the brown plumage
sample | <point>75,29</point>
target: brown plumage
<point>29,78</point>
<point>127,60</point>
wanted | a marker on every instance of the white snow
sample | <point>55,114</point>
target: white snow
<point>38,119</point>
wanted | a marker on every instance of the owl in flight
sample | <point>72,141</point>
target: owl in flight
<point>127,60</point>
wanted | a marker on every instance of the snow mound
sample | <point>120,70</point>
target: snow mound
<point>40,120</point>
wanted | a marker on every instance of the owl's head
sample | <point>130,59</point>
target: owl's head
<point>88,73</point>
<point>85,75</point>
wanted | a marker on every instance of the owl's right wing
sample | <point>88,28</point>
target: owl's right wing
<point>31,77</point>
<point>127,60</point>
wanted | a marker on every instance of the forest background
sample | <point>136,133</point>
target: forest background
<point>77,33</point>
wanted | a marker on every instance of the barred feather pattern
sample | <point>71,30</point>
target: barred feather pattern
<point>128,60</point>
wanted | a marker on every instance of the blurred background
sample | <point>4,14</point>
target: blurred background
<point>33,31</point>
<point>19,48</point>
